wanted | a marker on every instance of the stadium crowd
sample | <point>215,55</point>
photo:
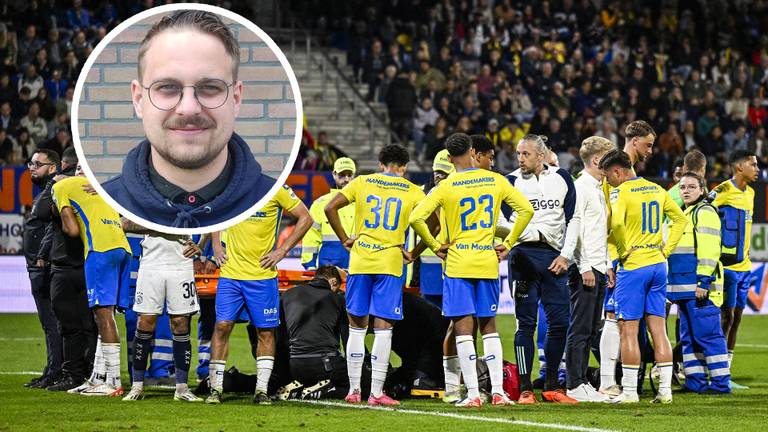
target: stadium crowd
<point>696,71</point>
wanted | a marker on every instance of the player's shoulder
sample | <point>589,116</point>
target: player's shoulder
<point>70,181</point>
<point>720,190</point>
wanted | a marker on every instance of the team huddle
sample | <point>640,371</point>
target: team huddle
<point>589,256</point>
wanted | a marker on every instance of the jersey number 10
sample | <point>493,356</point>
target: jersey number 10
<point>651,217</point>
<point>487,210</point>
<point>390,204</point>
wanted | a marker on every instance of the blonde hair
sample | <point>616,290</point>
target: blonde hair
<point>593,146</point>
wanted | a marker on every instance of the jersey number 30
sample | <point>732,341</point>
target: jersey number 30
<point>651,217</point>
<point>486,204</point>
<point>392,204</point>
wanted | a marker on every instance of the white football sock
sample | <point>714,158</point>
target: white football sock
<point>216,374</point>
<point>112,363</point>
<point>493,358</point>
<point>665,378</point>
<point>382,346</point>
<point>452,372</point>
<point>610,345</point>
<point>355,355</point>
<point>629,379</point>
<point>99,373</point>
<point>465,347</point>
<point>264,366</point>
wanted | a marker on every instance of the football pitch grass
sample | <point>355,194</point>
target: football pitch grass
<point>24,409</point>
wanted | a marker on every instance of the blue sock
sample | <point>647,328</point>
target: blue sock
<point>182,357</point>
<point>142,348</point>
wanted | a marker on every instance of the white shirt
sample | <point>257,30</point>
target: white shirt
<point>553,198</point>
<point>164,252</point>
<point>592,242</point>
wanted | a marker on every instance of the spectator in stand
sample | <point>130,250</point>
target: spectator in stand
<point>424,120</point>
<point>327,152</point>
<point>47,108</point>
<point>757,113</point>
<point>401,102</point>
<point>759,146</point>
<point>28,46</point>
<point>24,146</point>
<point>7,121</point>
<point>736,139</point>
<point>427,74</point>
<point>373,68</point>
<point>434,139</point>
<point>57,87</point>
<point>70,67</point>
<point>36,125</point>
<point>31,80</point>
<point>60,141</point>
<point>55,47</point>
<point>8,47</point>
<point>670,142</point>
<point>6,150</point>
<point>737,107</point>
<point>78,18</point>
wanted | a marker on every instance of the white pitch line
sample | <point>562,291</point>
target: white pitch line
<point>21,373</point>
<point>557,426</point>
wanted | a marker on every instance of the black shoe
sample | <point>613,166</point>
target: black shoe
<point>65,383</point>
<point>45,381</point>
<point>261,398</point>
<point>204,387</point>
<point>34,381</point>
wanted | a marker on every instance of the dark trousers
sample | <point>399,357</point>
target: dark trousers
<point>533,282</point>
<point>76,324</point>
<point>310,371</point>
<point>39,278</point>
<point>586,315</point>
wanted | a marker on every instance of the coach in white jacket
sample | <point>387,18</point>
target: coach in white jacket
<point>539,263</point>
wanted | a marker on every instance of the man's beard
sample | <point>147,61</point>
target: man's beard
<point>41,180</point>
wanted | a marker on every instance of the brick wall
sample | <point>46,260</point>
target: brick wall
<point>109,128</point>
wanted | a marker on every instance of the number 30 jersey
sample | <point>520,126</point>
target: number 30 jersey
<point>471,201</point>
<point>383,202</point>
<point>637,210</point>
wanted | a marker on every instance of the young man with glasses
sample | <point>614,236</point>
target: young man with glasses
<point>192,170</point>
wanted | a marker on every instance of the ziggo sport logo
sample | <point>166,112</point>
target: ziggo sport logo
<point>544,204</point>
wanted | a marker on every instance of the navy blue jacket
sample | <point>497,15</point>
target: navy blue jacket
<point>134,191</point>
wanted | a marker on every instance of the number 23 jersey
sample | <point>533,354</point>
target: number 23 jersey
<point>383,203</point>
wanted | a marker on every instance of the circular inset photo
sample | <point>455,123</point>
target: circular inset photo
<point>185,118</point>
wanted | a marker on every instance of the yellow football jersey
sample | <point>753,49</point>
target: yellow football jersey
<point>471,202</point>
<point>100,228</point>
<point>383,204</point>
<point>637,210</point>
<point>255,237</point>
<point>321,230</point>
<point>728,194</point>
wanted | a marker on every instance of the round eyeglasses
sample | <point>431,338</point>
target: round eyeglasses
<point>166,95</point>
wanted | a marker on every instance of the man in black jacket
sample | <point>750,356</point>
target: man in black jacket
<point>68,294</point>
<point>316,321</point>
<point>42,168</point>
